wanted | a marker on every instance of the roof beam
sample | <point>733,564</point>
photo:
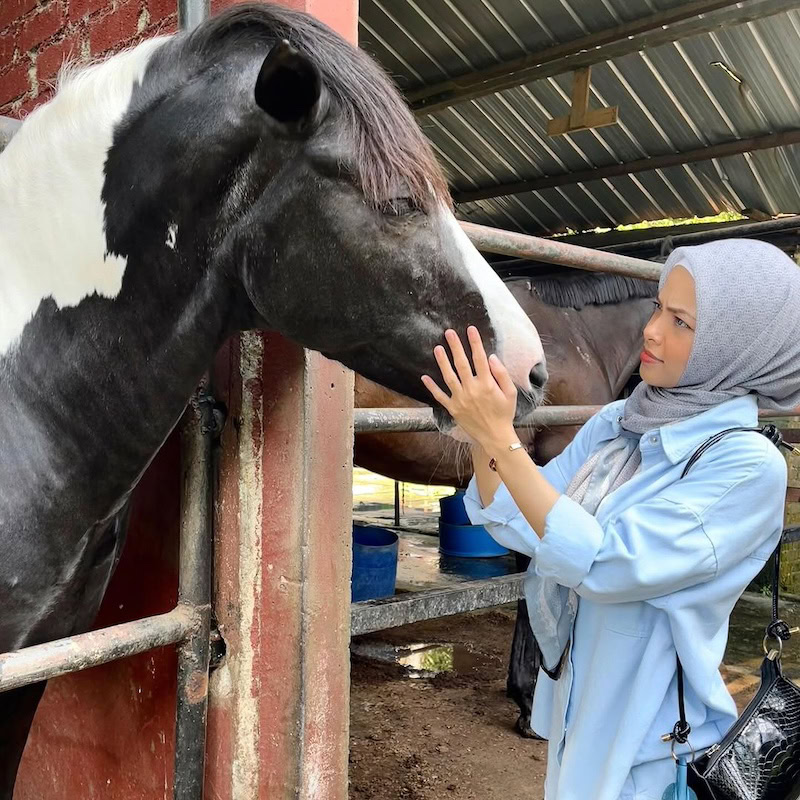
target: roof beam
<point>735,147</point>
<point>657,29</point>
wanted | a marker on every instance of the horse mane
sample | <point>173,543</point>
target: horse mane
<point>574,288</point>
<point>391,150</point>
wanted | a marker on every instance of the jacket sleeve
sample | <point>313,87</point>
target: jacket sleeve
<point>727,508</point>
<point>503,520</point>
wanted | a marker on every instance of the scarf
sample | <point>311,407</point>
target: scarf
<point>747,337</point>
<point>552,607</point>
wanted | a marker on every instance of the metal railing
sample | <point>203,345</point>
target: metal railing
<point>187,624</point>
<point>418,420</point>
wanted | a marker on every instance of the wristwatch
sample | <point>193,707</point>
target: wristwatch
<point>493,460</point>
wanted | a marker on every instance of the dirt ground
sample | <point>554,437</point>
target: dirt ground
<point>451,735</point>
<point>447,736</point>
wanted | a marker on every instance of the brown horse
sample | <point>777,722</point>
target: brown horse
<point>590,325</point>
<point>591,328</point>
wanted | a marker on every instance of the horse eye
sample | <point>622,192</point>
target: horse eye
<point>398,207</point>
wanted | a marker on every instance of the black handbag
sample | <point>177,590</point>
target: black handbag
<point>759,757</point>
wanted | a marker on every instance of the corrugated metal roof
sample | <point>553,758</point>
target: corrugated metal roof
<point>671,98</point>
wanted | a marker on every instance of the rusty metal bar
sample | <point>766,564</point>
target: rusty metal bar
<point>196,543</point>
<point>520,245</point>
<point>406,420</point>
<point>419,420</point>
<point>389,612</point>
<point>74,653</point>
<point>194,590</point>
<point>191,13</point>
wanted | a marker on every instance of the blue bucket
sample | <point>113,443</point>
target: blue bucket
<point>476,569</point>
<point>374,563</point>
<point>452,509</point>
<point>468,541</point>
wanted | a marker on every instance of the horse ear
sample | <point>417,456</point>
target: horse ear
<point>289,88</point>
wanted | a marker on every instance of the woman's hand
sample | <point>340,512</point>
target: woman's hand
<point>483,404</point>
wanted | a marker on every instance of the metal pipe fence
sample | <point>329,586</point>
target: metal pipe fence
<point>418,420</point>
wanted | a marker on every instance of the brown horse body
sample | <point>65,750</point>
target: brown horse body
<point>591,347</point>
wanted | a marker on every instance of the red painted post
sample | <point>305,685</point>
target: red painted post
<point>278,711</point>
<point>279,704</point>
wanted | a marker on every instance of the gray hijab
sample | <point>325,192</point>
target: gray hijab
<point>747,338</point>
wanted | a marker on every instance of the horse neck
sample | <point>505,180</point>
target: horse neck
<point>89,393</point>
<point>617,333</point>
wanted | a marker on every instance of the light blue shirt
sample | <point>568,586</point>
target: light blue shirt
<point>658,568</point>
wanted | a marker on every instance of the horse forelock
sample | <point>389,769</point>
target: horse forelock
<point>391,153</point>
<point>573,288</point>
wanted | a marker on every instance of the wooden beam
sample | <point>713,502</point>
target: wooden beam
<point>597,118</point>
<point>580,118</point>
<point>736,147</point>
<point>660,28</point>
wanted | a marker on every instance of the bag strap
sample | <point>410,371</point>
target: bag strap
<point>777,628</point>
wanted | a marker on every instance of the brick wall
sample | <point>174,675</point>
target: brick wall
<point>37,35</point>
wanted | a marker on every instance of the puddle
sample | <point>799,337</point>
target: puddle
<point>421,565</point>
<point>423,660</point>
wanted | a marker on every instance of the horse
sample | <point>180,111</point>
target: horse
<point>256,172</point>
<point>591,326</point>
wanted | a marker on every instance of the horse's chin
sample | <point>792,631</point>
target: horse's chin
<point>446,425</point>
<point>524,418</point>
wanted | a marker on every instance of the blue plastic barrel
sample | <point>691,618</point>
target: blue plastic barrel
<point>476,569</point>
<point>452,509</point>
<point>468,541</point>
<point>374,562</point>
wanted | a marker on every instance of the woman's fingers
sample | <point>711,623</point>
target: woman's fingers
<point>438,395</point>
<point>478,353</point>
<point>501,376</point>
<point>460,359</point>
<point>449,376</point>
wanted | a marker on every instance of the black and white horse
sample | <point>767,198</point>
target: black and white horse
<point>258,172</point>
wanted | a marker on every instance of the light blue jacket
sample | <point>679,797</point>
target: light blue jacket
<point>658,568</point>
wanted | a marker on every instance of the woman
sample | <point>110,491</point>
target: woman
<point>629,562</point>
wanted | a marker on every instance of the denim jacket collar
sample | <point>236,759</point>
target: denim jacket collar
<point>680,439</point>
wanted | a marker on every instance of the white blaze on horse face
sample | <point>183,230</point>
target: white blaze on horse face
<point>518,343</point>
<point>52,225</point>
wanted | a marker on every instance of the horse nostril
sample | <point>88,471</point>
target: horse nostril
<point>538,375</point>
